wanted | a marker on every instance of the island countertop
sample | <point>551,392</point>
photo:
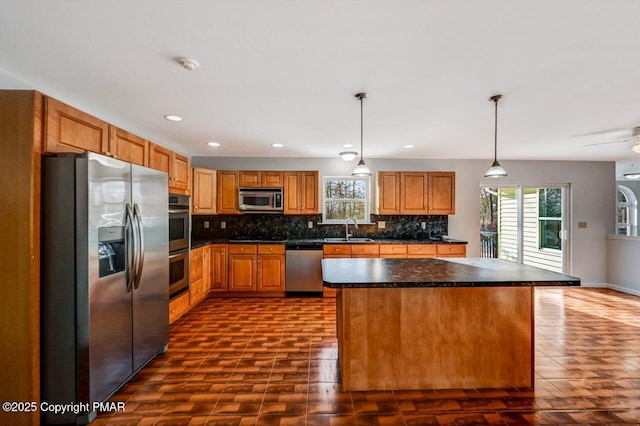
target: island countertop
<point>452,272</point>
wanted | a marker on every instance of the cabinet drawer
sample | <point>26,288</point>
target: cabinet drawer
<point>457,250</point>
<point>365,250</point>
<point>196,253</point>
<point>196,292</point>
<point>195,270</point>
<point>393,249</point>
<point>336,249</point>
<point>419,250</point>
<point>243,249</point>
<point>178,306</point>
<point>271,249</point>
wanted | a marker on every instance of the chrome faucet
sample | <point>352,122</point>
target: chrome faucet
<point>346,227</point>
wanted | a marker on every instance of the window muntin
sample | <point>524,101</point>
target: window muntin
<point>345,197</point>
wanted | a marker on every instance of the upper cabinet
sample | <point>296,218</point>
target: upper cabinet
<point>70,130</point>
<point>416,193</point>
<point>204,191</point>
<point>260,179</point>
<point>128,147</point>
<point>301,192</point>
<point>227,192</point>
<point>175,165</point>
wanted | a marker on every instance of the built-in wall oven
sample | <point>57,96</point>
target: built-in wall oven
<point>179,237</point>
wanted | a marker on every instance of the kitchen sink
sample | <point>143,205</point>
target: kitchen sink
<point>350,240</point>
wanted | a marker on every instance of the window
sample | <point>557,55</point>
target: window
<point>345,197</point>
<point>549,218</point>
<point>626,211</point>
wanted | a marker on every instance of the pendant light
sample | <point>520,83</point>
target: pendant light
<point>496,170</point>
<point>361,169</point>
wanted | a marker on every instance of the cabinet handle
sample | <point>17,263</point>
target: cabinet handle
<point>115,156</point>
<point>173,311</point>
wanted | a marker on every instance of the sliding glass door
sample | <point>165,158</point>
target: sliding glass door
<point>526,224</point>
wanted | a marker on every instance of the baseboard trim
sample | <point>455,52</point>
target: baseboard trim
<point>594,285</point>
<point>633,291</point>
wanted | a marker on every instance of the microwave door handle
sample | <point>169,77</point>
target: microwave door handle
<point>140,248</point>
<point>129,247</point>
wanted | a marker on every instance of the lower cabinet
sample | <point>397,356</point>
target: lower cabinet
<point>178,306</point>
<point>218,267</point>
<point>271,272</point>
<point>256,268</point>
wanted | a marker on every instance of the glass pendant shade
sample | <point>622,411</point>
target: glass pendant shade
<point>495,171</point>
<point>636,148</point>
<point>348,155</point>
<point>361,169</point>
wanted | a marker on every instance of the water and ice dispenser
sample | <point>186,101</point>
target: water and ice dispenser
<point>111,250</point>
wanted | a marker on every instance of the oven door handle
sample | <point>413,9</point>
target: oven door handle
<point>178,210</point>
<point>173,256</point>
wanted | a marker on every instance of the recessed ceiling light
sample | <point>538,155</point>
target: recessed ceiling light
<point>348,145</point>
<point>173,117</point>
<point>408,146</point>
<point>188,64</point>
<point>213,144</point>
<point>277,145</point>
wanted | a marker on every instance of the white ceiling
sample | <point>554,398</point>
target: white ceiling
<point>287,71</point>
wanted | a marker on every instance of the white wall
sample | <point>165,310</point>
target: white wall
<point>592,195</point>
<point>622,259</point>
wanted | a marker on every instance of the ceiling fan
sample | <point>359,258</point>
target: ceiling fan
<point>634,136</point>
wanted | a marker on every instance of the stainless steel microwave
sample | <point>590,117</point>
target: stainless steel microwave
<point>260,200</point>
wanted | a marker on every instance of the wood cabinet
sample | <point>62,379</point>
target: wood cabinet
<point>451,250</point>
<point>178,306</point>
<point>218,267</point>
<point>260,179</point>
<point>393,251</point>
<point>206,268</point>
<point>256,267</point>
<point>203,200</point>
<point>301,192</point>
<point>227,192</point>
<point>365,250</point>
<point>421,250</point>
<point>128,147</point>
<point>416,193</point>
<point>176,166</point>
<point>196,292</point>
<point>197,280</point>
<point>68,129</point>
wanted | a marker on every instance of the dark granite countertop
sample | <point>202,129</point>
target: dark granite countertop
<point>452,272</point>
<point>316,243</point>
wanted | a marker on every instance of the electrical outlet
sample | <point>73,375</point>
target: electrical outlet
<point>206,224</point>
<point>423,225</point>
<point>381,224</point>
<point>223,225</point>
<point>310,225</point>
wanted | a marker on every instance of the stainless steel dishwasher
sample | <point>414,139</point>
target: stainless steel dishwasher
<point>303,271</point>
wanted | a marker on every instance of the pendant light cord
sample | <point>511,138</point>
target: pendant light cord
<point>361,130</point>
<point>495,133</point>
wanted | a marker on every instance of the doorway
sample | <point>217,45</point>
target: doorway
<point>526,224</point>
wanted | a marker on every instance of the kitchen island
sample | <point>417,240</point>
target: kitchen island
<point>459,323</point>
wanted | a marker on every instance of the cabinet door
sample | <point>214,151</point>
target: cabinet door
<point>159,158</point>
<point>70,130</point>
<point>227,194</point>
<point>414,193</point>
<point>179,172</point>
<point>206,268</point>
<point>249,179</point>
<point>196,292</point>
<point>292,202</point>
<point>271,179</point>
<point>271,272</point>
<point>442,192</point>
<point>421,250</point>
<point>309,192</point>
<point>218,267</point>
<point>242,272</point>
<point>128,147</point>
<point>388,193</point>
<point>204,191</point>
<point>393,250</point>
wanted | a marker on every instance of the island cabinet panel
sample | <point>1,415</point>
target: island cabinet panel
<point>388,192</point>
<point>442,193</point>
<point>204,191</point>
<point>393,250</point>
<point>218,267</point>
<point>415,191</point>
<point>411,338</point>
<point>128,147</point>
<point>68,129</point>
<point>227,192</point>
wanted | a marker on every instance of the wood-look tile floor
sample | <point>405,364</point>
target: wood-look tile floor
<point>274,362</point>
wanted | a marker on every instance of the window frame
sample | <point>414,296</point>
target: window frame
<point>367,199</point>
<point>541,219</point>
<point>631,206</point>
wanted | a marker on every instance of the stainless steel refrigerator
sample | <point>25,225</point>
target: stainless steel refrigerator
<point>104,278</point>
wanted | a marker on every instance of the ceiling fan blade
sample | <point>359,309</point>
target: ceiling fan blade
<point>603,132</point>
<point>608,142</point>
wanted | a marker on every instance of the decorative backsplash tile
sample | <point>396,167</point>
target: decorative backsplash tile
<point>281,227</point>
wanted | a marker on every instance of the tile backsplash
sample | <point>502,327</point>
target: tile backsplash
<point>281,227</point>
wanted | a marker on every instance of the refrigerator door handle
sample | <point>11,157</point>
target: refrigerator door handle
<point>140,249</point>
<point>129,247</point>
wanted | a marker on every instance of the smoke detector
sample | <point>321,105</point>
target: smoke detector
<point>188,63</point>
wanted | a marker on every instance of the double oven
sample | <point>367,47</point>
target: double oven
<point>179,235</point>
